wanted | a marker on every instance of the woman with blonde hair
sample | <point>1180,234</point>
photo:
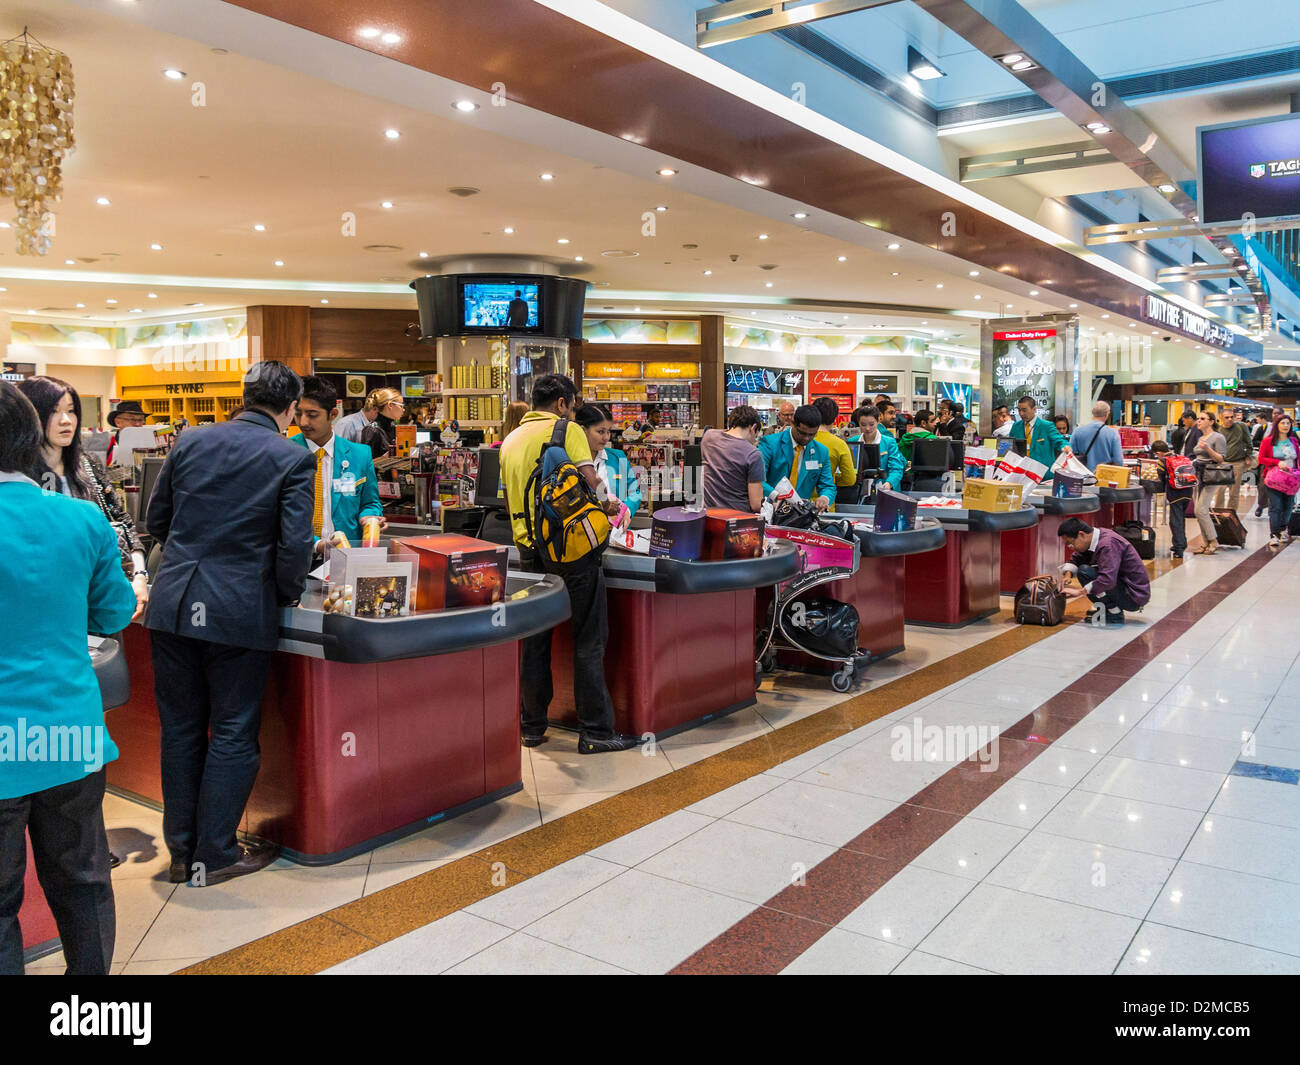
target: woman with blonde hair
<point>374,423</point>
<point>514,415</point>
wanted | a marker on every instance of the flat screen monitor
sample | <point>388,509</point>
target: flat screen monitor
<point>150,467</point>
<point>489,489</point>
<point>500,305</point>
<point>868,458</point>
<point>931,454</point>
<point>956,454</point>
<point>1249,168</point>
<point>423,436</point>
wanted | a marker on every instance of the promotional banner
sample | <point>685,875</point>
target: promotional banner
<point>763,380</point>
<point>1249,170</point>
<point>832,383</point>
<point>1024,363</point>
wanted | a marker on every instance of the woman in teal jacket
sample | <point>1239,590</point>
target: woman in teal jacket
<point>61,577</point>
<point>612,465</point>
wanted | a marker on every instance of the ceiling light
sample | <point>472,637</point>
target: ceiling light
<point>392,134</point>
<point>1014,57</point>
<point>921,68</point>
<point>800,214</point>
<point>387,205</point>
<point>508,230</point>
<point>279,262</point>
<point>939,285</point>
<point>577,258</point>
<point>391,38</point>
<point>69,262</point>
<point>667,171</point>
<point>1098,127</point>
<point>465,105</point>
<point>974,273</point>
<point>1167,189</point>
<point>370,33</point>
<point>894,274</point>
<point>260,228</point>
<point>81,305</point>
<point>324,301</point>
<point>978,296</point>
<point>110,301</point>
<point>548,177</point>
<point>173,73</point>
<point>661,207</point>
<point>1105,315</point>
<point>769,284</point>
<point>103,201</point>
<point>842,259</point>
<point>762,236</point>
<point>155,247</point>
<point>137,310</point>
<point>1024,64</point>
<point>1033,292</point>
<point>1073,306</point>
<point>1010,306</point>
<point>708,273</point>
<point>424,255</point>
<point>563,240</point>
<point>4,225</point>
<point>894,247</point>
<point>153,295</point>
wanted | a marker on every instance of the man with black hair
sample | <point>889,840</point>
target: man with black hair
<point>517,312</point>
<point>955,426</point>
<point>1177,438</point>
<point>1001,420</point>
<point>556,397</point>
<point>233,510</point>
<point>798,455</point>
<point>843,470</point>
<point>1108,570</point>
<point>733,465</point>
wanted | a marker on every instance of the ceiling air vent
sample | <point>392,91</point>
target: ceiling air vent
<point>381,247</point>
<point>463,190</point>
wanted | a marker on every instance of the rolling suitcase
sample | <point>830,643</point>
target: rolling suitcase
<point>1293,525</point>
<point>1228,529</point>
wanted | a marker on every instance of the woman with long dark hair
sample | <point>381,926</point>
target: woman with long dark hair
<point>60,579</point>
<point>64,468</point>
<point>1279,455</point>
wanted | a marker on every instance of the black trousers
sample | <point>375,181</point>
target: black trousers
<point>1115,599</point>
<point>209,699</point>
<point>1178,524</point>
<point>66,824</point>
<point>590,623</point>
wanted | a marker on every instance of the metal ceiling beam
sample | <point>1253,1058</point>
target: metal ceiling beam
<point>780,15</point>
<point>1208,272</point>
<point>1164,229</point>
<point>1033,160</point>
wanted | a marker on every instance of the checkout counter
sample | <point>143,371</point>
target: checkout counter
<point>372,728</point>
<point>40,933</point>
<point>876,590</point>
<point>1037,549</point>
<point>961,581</point>
<point>681,639</point>
<point>1118,505</point>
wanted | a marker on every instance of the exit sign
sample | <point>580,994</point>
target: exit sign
<point>1224,382</point>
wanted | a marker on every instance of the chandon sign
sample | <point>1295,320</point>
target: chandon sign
<point>1162,312</point>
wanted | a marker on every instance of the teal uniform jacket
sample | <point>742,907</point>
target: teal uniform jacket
<point>351,460</point>
<point>623,479</point>
<point>1046,445</point>
<point>891,459</point>
<point>61,572</point>
<point>816,477</point>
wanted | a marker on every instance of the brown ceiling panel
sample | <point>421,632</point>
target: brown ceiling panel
<point>559,66</point>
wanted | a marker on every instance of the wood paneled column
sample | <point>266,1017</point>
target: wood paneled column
<point>713,374</point>
<point>282,334</point>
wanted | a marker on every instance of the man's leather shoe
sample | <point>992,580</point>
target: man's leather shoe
<point>178,872</point>
<point>614,743</point>
<point>252,858</point>
<point>533,739</point>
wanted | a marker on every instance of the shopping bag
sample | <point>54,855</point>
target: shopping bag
<point>1067,462</point>
<point>1019,469</point>
<point>979,461</point>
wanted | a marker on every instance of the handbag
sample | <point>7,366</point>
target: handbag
<point>1285,481</point>
<point>1217,473</point>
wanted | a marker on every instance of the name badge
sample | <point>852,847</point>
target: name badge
<point>345,485</point>
<point>812,464</point>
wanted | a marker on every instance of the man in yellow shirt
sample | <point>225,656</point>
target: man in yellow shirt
<point>555,396</point>
<point>846,474</point>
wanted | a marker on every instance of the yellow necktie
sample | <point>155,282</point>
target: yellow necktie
<point>1029,435</point>
<point>318,513</point>
<point>794,470</point>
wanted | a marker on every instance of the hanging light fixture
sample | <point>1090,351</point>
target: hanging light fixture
<point>36,91</point>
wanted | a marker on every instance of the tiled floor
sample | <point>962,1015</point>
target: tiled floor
<point>1112,835</point>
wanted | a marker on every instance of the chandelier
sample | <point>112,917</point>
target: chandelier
<point>36,92</point>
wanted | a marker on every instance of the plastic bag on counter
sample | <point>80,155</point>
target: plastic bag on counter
<point>794,514</point>
<point>979,461</point>
<point>1019,469</point>
<point>824,626</point>
<point>938,501</point>
<point>1068,463</point>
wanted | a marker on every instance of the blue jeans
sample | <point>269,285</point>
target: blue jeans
<point>1280,506</point>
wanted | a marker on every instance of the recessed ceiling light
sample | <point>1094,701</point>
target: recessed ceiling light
<point>173,73</point>
<point>974,273</point>
<point>1105,315</point>
<point>577,258</point>
<point>110,301</point>
<point>392,134</point>
<point>155,247</point>
<point>563,240</point>
<point>508,230</point>
<point>103,201</point>
<point>391,38</point>
<point>894,247</point>
<point>762,236</point>
<point>769,284</point>
<point>800,214</point>
<point>1033,292</point>
<point>324,301</point>
<point>1167,189</point>
<point>978,296</point>
<point>465,105</point>
<point>1024,64</point>
<point>1132,325</point>
<point>842,259</point>
<point>1098,127</point>
<point>708,273</point>
<point>1073,306</point>
<point>424,255</point>
<point>137,310</point>
<point>69,262</point>
<point>939,285</point>
<point>548,177</point>
<point>4,225</point>
<point>260,228</point>
<point>925,323</point>
<point>370,33</point>
<point>279,262</point>
<point>153,295</point>
<point>667,171</point>
<point>894,274</point>
<point>1013,57</point>
<point>1010,306</point>
<point>81,305</point>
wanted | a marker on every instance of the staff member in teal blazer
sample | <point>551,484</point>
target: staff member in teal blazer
<point>612,465</point>
<point>60,577</point>
<point>346,488</point>
<point>1045,442</point>
<point>795,453</point>
<point>867,420</point>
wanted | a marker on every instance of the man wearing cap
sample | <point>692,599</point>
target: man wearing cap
<point>127,415</point>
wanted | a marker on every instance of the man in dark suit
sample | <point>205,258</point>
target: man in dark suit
<point>233,511</point>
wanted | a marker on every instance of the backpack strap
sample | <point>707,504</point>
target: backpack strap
<point>559,433</point>
<point>1088,450</point>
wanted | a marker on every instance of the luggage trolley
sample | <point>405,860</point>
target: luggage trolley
<point>823,558</point>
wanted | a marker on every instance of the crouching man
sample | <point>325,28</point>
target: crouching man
<point>1108,571</point>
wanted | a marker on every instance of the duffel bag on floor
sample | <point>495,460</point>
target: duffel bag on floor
<point>1040,602</point>
<point>1142,537</point>
<point>823,626</point>
<point>1228,529</point>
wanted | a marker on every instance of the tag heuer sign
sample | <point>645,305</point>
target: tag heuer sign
<point>1258,170</point>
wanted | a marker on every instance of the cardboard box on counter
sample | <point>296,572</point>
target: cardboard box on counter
<point>455,571</point>
<point>981,494</point>
<point>732,534</point>
<point>1107,473</point>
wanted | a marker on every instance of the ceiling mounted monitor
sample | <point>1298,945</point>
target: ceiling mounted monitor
<point>1249,171</point>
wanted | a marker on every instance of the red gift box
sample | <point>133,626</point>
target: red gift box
<point>732,534</point>
<point>455,571</point>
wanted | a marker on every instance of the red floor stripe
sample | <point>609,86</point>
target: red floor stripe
<point>774,935</point>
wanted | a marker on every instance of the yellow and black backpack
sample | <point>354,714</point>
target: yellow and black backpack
<point>570,528</point>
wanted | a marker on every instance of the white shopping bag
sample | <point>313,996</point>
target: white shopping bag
<point>979,461</point>
<point>1068,463</point>
<point>784,491</point>
<point>1018,469</point>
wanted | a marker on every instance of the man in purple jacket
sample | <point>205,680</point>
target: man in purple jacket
<point>1108,570</point>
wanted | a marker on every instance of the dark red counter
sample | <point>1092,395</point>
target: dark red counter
<point>1038,549</point>
<point>1118,505</point>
